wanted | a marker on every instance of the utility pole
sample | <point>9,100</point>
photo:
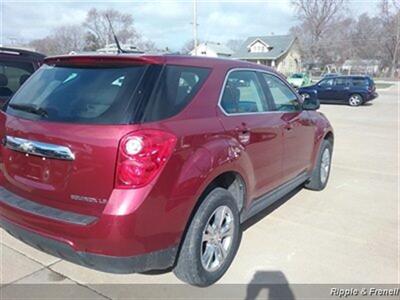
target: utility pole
<point>195,26</point>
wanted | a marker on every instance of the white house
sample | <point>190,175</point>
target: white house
<point>212,49</point>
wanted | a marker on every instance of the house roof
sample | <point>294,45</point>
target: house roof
<point>280,45</point>
<point>217,48</point>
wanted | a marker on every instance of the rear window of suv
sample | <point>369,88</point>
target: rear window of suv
<point>106,95</point>
<point>78,94</point>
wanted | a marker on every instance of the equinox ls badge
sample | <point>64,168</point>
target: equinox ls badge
<point>88,199</point>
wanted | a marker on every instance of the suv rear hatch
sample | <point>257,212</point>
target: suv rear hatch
<point>61,131</point>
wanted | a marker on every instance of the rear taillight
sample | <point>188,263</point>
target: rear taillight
<point>142,155</point>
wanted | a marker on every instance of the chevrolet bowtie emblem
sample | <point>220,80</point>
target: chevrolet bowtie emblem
<point>26,147</point>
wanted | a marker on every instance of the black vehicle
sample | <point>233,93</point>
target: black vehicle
<point>353,90</point>
<point>16,65</point>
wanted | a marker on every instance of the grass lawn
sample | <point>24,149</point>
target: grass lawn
<point>381,85</point>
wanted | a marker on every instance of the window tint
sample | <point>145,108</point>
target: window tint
<point>326,82</point>
<point>243,94</point>
<point>78,94</point>
<point>177,87</point>
<point>341,81</point>
<point>12,75</point>
<point>281,94</point>
<point>360,81</point>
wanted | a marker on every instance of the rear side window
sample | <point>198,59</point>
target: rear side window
<point>243,94</point>
<point>341,82</point>
<point>12,76</point>
<point>77,94</point>
<point>176,87</point>
<point>360,81</point>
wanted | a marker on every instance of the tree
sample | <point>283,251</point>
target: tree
<point>99,31</point>
<point>316,18</point>
<point>365,37</point>
<point>62,40</point>
<point>389,16</point>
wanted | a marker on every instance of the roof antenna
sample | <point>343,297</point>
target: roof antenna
<point>120,50</point>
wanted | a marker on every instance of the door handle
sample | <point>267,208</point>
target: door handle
<point>288,127</point>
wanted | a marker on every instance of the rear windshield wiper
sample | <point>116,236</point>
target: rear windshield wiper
<point>30,108</point>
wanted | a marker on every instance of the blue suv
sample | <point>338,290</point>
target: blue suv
<point>353,90</point>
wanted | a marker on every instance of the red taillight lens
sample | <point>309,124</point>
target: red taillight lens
<point>142,155</point>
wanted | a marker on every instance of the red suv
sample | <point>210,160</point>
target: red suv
<point>128,163</point>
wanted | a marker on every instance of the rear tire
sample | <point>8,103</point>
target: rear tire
<point>206,252</point>
<point>355,100</point>
<point>320,175</point>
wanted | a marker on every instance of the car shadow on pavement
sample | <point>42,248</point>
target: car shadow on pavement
<point>269,285</point>
<point>262,214</point>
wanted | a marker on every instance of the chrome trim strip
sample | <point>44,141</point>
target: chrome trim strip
<point>38,148</point>
<point>250,113</point>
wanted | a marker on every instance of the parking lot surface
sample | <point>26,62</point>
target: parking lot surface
<point>347,233</point>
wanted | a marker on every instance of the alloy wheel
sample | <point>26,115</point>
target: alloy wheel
<point>355,100</point>
<point>325,165</point>
<point>217,238</point>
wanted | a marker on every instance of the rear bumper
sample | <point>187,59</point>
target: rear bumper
<point>134,233</point>
<point>372,96</point>
<point>157,260</point>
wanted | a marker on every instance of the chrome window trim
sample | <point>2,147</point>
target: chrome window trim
<point>251,113</point>
<point>36,148</point>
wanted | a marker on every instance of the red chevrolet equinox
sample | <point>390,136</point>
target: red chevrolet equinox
<point>127,163</point>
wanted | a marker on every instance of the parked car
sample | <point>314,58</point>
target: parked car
<point>299,79</point>
<point>16,65</point>
<point>353,90</point>
<point>152,162</point>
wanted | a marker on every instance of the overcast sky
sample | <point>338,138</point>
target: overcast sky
<point>167,23</point>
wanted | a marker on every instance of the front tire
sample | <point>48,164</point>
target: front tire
<point>305,95</point>
<point>212,240</point>
<point>320,175</point>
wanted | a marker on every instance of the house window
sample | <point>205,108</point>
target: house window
<point>258,47</point>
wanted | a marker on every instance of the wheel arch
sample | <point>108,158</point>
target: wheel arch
<point>230,180</point>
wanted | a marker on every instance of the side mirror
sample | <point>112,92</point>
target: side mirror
<point>311,101</point>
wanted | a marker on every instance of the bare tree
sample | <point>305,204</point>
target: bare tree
<point>316,17</point>
<point>62,40</point>
<point>365,37</point>
<point>390,36</point>
<point>99,31</point>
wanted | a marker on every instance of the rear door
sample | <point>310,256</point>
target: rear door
<point>246,117</point>
<point>341,89</point>
<point>61,134</point>
<point>298,132</point>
